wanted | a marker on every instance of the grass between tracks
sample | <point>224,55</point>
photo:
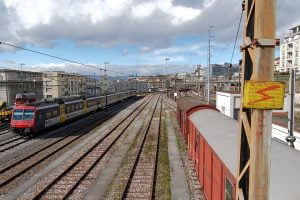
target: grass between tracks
<point>163,178</point>
<point>181,145</point>
<point>118,184</point>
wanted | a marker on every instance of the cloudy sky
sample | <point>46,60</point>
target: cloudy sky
<point>134,36</point>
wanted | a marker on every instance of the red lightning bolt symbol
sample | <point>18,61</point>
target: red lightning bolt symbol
<point>263,94</point>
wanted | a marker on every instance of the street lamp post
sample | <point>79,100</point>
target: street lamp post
<point>21,65</point>
<point>209,55</point>
<point>166,59</point>
<point>105,63</point>
<point>105,80</point>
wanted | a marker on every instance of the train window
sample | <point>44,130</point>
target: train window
<point>68,109</point>
<point>55,112</point>
<point>18,114</point>
<point>76,106</point>
<point>48,114</point>
<point>229,190</point>
<point>40,116</point>
<point>28,114</point>
<point>72,108</point>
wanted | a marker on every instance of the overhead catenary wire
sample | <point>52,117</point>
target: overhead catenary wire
<point>60,58</point>
<point>236,37</point>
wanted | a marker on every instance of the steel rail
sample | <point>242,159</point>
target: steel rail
<point>69,168</point>
<point>17,174</point>
<point>137,158</point>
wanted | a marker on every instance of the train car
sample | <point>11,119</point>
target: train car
<point>185,107</point>
<point>36,116</point>
<point>214,149</point>
<point>23,118</point>
<point>23,98</point>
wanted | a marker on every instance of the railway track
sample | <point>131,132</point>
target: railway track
<point>16,171</point>
<point>63,181</point>
<point>169,105</point>
<point>58,133</point>
<point>4,130</point>
<point>7,135</point>
<point>12,142</point>
<point>4,126</point>
<point>136,177</point>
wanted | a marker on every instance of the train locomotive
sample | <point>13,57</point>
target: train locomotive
<point>212,140</point>
<point>33,117</point>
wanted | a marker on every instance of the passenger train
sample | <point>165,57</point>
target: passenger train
<point>36,116</point>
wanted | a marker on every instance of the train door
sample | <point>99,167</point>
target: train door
<point>85,108</point>
<point>216,178</point>
<point>63,117</point>
<point>197,151</point>
<point>39,120</point>
<point>207,171</point>
<point>201,160</point>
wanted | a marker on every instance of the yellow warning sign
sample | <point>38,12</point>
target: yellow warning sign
<point>263,95</point>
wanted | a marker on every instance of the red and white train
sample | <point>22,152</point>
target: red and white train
<point>212,140</point>
<point>33,116</point>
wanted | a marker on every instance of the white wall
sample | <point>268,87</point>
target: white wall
<point>227,102</point>
<point>297,98</point>
<point>223,103</point>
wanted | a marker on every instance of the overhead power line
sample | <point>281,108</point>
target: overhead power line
<point>60,58</point>
<point>236,37</point>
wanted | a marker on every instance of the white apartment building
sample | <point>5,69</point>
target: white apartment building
<point>290,51</point>
<point>16,81</point>
<point>58,84</point>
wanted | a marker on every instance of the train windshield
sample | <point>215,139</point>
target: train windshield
<point>23,114</point>
<point>28,114</point>
<point>18,114</point>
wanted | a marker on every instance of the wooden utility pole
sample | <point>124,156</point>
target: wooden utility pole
<point>253,174</point>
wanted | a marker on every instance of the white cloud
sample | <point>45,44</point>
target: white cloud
<point>182,14</point>
<point>30,13</point>
<point>151,69</point>
<point>145,49</point>
<point>95,22</point>
<point>125,52</point>
<point>143,9</point>
<point>107,23</point>
<point>197,49</point>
